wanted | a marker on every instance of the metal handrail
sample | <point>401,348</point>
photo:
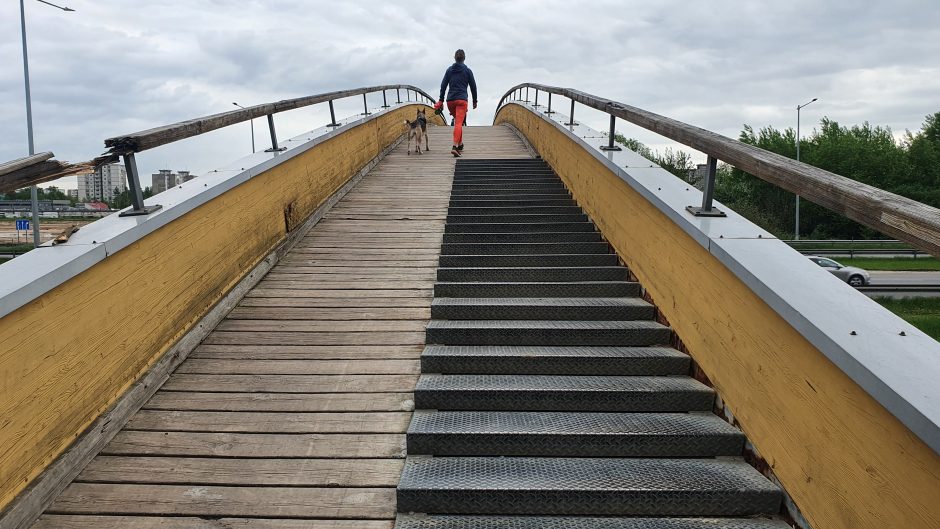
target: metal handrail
<point>127,145</point>
<point>908,220</point>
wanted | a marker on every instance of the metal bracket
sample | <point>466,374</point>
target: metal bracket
<point>136,192</point>
<point>274,146</point>
<point>610,145</point>
<point>332,122</point>
<point>706,210</point>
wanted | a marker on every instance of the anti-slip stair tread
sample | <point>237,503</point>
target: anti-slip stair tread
<point>533,274</point>
<point>506,261</point>
<point>559,384</point>
<point>545,302</point>
<point>516,217</point>
<point>520,227</point>
<point>443,521</point>
<point>522,237</point>
<point>536,289</point>
<point>596,486</point>
<point>543,324</point>
<point>514,248</point>
<point>547,360</point>
<point>571,434</point>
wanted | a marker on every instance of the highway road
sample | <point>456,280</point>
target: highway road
<point>908,281</point>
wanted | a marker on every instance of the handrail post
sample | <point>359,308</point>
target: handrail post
<point>613,132</point>
<point>136,192</point>
<point>365,106</point>
<point>708,193</point>
<point>384,100</point>
<point>408,94</point>
<point>274,146</point>
<point>333,122</point>
<point>571,121</point>
<point>549,111</point>
<point>398,95</point>
<point>527,94</point>
<point>536,105</point>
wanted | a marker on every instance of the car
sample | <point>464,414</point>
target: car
<point>850,274</point>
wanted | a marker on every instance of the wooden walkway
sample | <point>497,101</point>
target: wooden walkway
<point>292,413</point>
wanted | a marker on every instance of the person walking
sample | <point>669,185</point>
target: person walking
<point>457,78</point>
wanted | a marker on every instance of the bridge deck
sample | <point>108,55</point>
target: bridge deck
<point>297,404</point>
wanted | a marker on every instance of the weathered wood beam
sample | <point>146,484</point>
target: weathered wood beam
<point>908,220</point>
<point>150,138</point>
<point>36,169</point>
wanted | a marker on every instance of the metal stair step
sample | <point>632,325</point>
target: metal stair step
<point>531,178</point>
<point>585,486</point>
<point>444,521</point>
<point>504,261</point>
<point>518,210</point>
<point>546,332</point>
<point>479,392</point>
<point>568,434</point>
<point>571,360</point>
<point>523,248</point>
<point>515,217</point>
<point>520,227</point>
<point>558,191</point>
<point>543,237</point>
<point>534,274</point>
<point>501,187</point>
<point>570,289</point>
<point>527,201</point>
<point>623,308</point>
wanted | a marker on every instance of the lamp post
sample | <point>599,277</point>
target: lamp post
<point>33,191</point>
<point>796,229</point>
<point>252,122</point>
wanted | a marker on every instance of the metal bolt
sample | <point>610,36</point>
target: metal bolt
<point>853,333</point>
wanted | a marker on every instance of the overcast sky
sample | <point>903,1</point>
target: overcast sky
<point>114,66</point>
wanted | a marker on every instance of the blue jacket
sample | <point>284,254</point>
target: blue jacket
<point>458,77</point>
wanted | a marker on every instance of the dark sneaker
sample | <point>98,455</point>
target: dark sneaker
<point>455,151</point>
<point>460,147</point>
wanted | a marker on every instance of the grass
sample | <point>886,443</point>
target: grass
<point>18,249</point>
<point>891,263</point>
<point>858,246</point>
<point>923,313</point>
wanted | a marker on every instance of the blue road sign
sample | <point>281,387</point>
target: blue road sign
<point>22,225</point>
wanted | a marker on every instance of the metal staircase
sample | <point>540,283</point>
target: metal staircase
<point>547,397</point>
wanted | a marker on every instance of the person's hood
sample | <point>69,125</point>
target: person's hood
<point>459,67</point>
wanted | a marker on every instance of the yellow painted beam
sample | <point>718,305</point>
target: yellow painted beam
<point>68,355</point>
<point>845,460</point>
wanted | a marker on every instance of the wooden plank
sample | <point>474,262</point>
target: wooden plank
<point>332,326</point>
<point>280,402</point>
<point>307,352</point>
<point>279,292</point>
<point>292,383</point>
<point>350,284</point>
<point>197,444</point>
<point>150,138</point>
<point>300,367</point>
<point>358,302</point>
<point>420,278</point>
<point>270,422</point>
<point>67,521</point>
<point>345,313</point>
<point>908,220</point>
<point>219,471</point>
<point>106,498</point>
<point>316,338</point>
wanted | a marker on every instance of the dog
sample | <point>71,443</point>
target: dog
<point>418,129</point>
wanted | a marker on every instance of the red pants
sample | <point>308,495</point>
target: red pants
<point>458,109</point>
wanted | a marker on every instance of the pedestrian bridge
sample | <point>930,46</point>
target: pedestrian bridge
<point>547,332</point>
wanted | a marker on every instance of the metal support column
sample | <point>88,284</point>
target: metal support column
<point>549,111</point>
<point>332,122</point>
<point>527,94</point>
<point>613,132</point>
<point>136,191</point>
<point>536,105</point>
<point>398,95</point>
<point>571,121</point>
<point>274,146</point>
<point>365,106</point>
<point>708,193</point>
<point>384,100</point>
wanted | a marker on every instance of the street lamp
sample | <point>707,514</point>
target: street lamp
<point>252,121</point>
<point>33,192</point>
<point>796,229</point>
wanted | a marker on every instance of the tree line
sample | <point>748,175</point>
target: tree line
<point>909,167</point>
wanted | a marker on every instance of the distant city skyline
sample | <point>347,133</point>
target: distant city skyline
<point>107,69</point>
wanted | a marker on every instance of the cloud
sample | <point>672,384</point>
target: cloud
<point>114,66</point>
